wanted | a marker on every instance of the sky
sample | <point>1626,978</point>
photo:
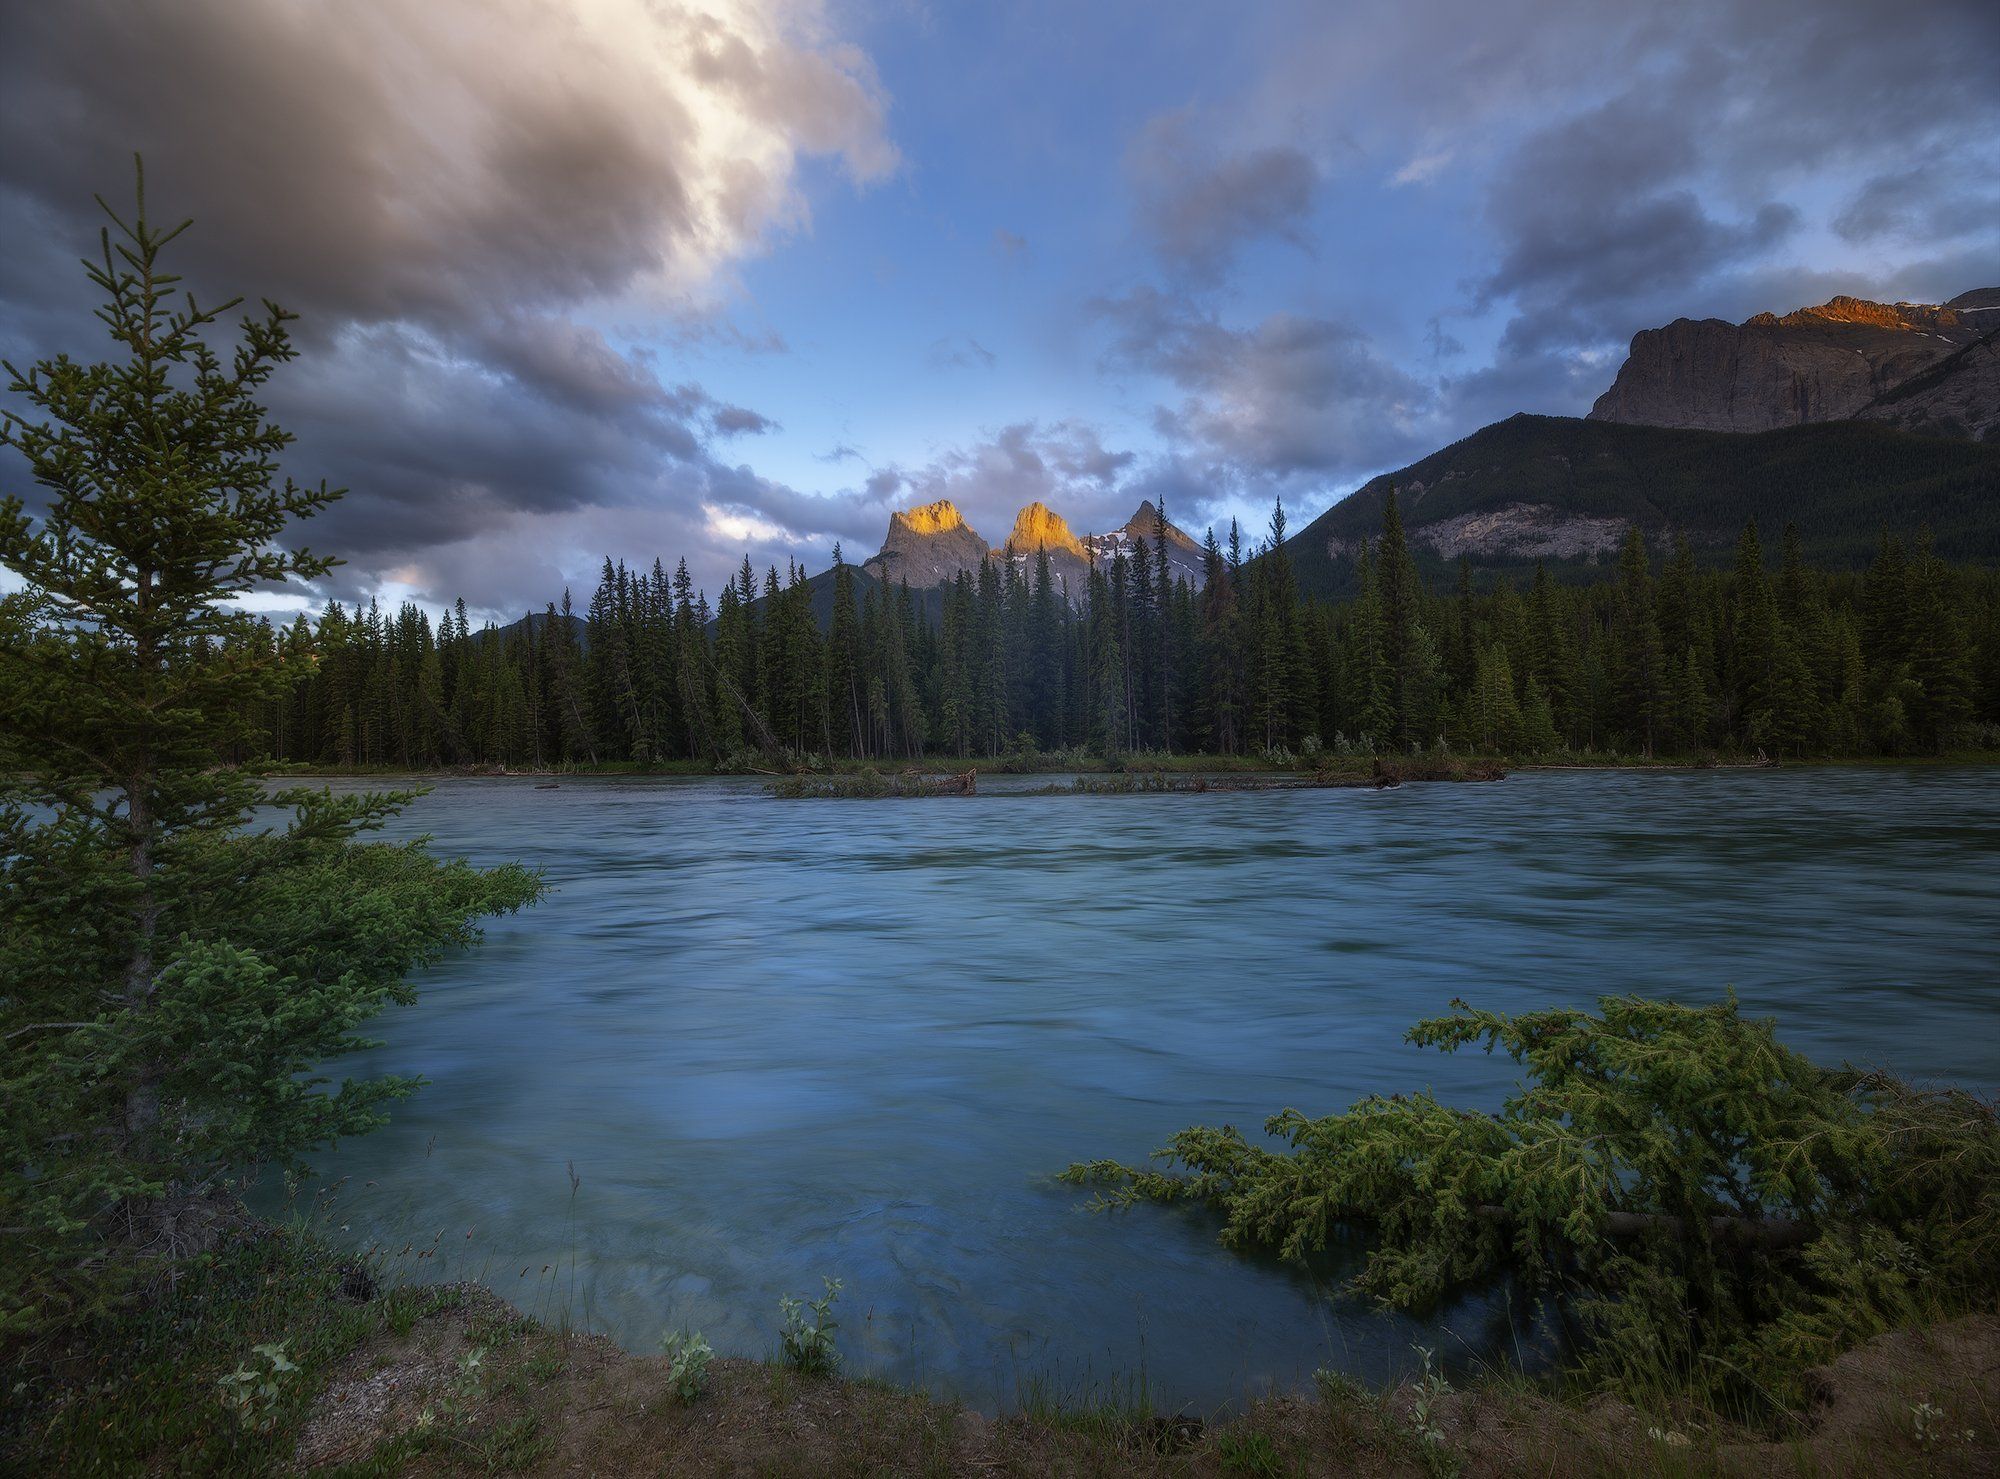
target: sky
<point>639,278</point>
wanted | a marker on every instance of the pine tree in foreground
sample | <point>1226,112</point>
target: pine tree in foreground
<point>170,980</point>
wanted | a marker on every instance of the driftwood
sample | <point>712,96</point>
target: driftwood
<point>873,785</point>
<point>1383,775</point>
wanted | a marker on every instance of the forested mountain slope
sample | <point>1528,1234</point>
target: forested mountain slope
<point>1563,491</point>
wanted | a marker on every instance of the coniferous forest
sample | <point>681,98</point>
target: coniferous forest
<point>1657,658</point>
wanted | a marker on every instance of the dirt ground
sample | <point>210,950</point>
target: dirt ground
<point>471,1387</point>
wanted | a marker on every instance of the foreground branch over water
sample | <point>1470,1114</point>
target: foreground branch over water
<point>1701,1206</point>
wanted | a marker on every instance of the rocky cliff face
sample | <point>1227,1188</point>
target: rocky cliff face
<point>1038,527</point>
<point>1846,358</point>
<point>1959,395</point>
<point>927,546</point>
<point>1039,530</point>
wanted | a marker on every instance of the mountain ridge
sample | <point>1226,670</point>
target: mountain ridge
<point>930,545</point>
<point>1846,358</point>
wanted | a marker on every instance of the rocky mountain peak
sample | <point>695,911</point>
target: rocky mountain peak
<point>1039,527</point>
<point>1842,309</point>
<point>1979,300</point>
<point>930,518</point>
<point>1145,524</point>
<point>927,546</point>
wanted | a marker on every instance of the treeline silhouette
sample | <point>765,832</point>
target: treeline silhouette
<point>1658,657</point>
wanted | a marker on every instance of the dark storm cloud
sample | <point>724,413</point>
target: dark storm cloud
<point>312,177</point>
<point>818,517</point>
<point>449,195</point>
<point>433,441</point>
<point>1925,204</point>
<point>1597,214</point>
<point>573,366</point>
<point>1198,207</point>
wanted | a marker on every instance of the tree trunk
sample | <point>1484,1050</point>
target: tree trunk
<point>142,1098</point>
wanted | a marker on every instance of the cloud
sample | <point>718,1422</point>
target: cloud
<point>1617,166</point>
<point>959,352</point>
<point>1198,207</point>
<point>1624,227</point>
<point>1064,464</point>
<point>1292,397</point>
<point>1423,168</point>
<point>734,421</point>
<point>378,160</point>
<point>1926,204</point>
<point>486,208</point>
<point>459,198</point>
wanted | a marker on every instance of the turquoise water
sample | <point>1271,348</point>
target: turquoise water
<point>777,1040</point>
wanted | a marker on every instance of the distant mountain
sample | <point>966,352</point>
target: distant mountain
<point>929,546</point>
<point>1564,491</point>
<point>1928,368</point>
<point>1039,530</point>
<point>1184,555</point>
<point>536,624</point>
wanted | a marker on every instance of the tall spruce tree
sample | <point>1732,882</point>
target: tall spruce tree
<point>169,980</point>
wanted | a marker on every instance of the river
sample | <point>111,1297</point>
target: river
<point>780,1040</point>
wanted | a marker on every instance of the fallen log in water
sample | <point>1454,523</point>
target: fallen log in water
<point>1393,771</point>
<point>871,784</point>
<point>1384,774</point>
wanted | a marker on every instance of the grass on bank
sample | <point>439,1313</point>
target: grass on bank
<point>451,1380</point>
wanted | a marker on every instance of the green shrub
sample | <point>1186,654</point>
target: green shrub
<point>254,1391</point>
<point>687,1356</point>
<point>808,1331</point>
<point>1705,1208</point>
<point>1249,1453</point>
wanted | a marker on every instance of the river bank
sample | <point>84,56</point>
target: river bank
<point>453,1380</point>
<point>1358,767</point>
